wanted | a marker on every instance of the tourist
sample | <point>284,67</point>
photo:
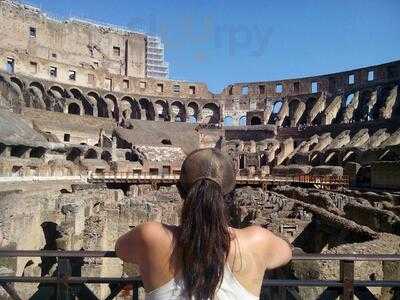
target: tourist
<point>203,258</point>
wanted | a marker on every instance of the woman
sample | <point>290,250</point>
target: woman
<point>203,258</point>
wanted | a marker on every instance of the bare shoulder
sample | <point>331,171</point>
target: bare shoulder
<point>141,239</point>
<point>273,250</point>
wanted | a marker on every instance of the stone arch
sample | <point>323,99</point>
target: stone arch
<point>19,83</point>
<point>37,94</point>
<point>349,99</point>
<point>57,91</point>
<point>389,155</point>
<point>88,107</point>
<point>147,109</point>
<point>296,110</point>
<point>276,108</point>
<point>112,106</point>
<point>74,154</point>
<point>74,108</point>
<point>162,110</point>
<point>211,113</point>
<point>106,155</point>
<point>350,156</point>
<point>130,108</point>
<point>242,121</point>
<point>99,103</point>
<point>332,159</point>
<point>178,111</point>
<point>255,120</point>
<point>363,111</point>
<point>193,112</point>
<point>228,121</point>
<point>91,154</point>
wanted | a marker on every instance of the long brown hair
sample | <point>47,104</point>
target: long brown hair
<point>204,239</point>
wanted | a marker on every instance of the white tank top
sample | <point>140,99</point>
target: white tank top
<point>230,289</point>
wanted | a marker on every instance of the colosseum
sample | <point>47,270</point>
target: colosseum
<point>93,134</point>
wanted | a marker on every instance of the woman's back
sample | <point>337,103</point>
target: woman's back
<point>253,250</point>
<point>203,249</point>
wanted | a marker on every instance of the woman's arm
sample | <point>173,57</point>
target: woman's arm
<point>133,246</point>
<point>275,251</point>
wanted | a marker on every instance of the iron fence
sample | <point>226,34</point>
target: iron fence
<point>65,284</point>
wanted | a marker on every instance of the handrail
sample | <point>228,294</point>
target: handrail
<point>346,286</point>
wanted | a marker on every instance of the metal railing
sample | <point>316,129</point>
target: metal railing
<point>240,179</point>
<point>64,283</point>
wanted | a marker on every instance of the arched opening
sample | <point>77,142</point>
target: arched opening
<point>74,154</point>
<point>162,110</point>
<point>349,100</point>
<point>389,155</point>
<point>363,111</point>
<point>166,142</point>
<point>58,94</point>
<point>2,149</point>
<point>255,121</point>
<point>276,108</point>
<point>74,109</point>
<point>36,90</point>
<point>130,108</point>
<point>131,156</point>
<point>91,154</point>
<point>147,106</point>
<point>178,111</point>
<point>102,108</point>
<point>211,113</point>
<point>242,121</point>
<point>332,159</point>
<point>19,83</point>
<point>350,156</point>
<point>105,155</point>
<point>112,106</point>
<point>228,121</point>
<point>87,106</point>
<point>193,112</point>
<point>37,152</point>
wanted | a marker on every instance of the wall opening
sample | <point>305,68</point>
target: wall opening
<point>371,75</point>
<point>242,121</point>
<point>245,90</point>
<point>261,89</point>
<point>74,109</point>
<point>18,151</point>
<point>125,84</point>
<point>72,75</point>
<point>166,142</point>
<point>228,121</point>
<point>160,88</point>
<point>279,88</point>
<point>153,171</point>
<point>53,71</point>
<point>37,152</point>
<point>177,88</point>
<point>296,87</point>
<point>32,32</point>
<point>192,90</point>
<point>67,137</point>
<point>91,154</point>
<point>33,67</point>
<point>73,154</point>
<point>108,83</point>
<point>255,120</point>
<point>116,51</point>
<point>349,99</point>
<point>351,79</point>
<point>10,65</point>
<point>106,156</point>
<point>2,149</point>
<point>314,87</point>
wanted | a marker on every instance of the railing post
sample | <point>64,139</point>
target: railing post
<point>63,272</point>
<point>135,291</point>
<point>347,278</point>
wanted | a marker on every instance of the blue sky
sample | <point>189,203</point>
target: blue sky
<point>221,42</point>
